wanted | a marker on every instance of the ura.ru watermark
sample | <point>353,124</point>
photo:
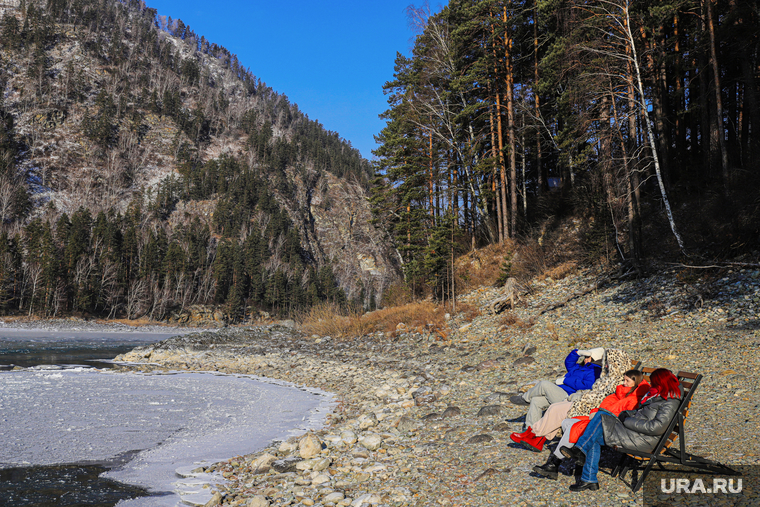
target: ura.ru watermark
<point>708,486</point>
<point>696,489</point>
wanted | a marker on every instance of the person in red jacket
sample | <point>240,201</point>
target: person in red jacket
<point>627,396</point>
<point>638,430</point>
<point>615,362</point>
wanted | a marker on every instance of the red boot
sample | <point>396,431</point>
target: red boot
<point>520,437</point>
<point>534,443</point>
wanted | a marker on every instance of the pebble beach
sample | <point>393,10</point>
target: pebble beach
<point>424,418</point>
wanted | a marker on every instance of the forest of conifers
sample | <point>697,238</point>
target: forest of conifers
<point>634,120</point>
<point>638,117</point>
<point>117,253</point>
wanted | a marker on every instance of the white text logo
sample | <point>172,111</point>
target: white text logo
<point>678,486</point>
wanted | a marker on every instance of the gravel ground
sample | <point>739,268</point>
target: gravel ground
<point>425,421</point>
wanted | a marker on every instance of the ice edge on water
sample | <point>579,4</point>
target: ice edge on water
<point>143,469</point>
<point>201,489</point>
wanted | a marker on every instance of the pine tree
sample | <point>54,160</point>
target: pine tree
<point>10,271</point>
<point>236,300</point>
<point>224,269</point>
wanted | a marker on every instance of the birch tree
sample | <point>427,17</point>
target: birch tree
<point>613,39</point>
<point>440,100</point>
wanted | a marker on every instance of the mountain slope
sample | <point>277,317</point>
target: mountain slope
<point>147,170</point>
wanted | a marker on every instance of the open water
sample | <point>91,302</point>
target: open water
<point>29,347</point>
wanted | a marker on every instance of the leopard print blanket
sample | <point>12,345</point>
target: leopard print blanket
<point>616,363</point>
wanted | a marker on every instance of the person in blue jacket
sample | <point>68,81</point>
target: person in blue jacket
<point>582,372</point>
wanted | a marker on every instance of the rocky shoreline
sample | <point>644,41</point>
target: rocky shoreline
<point>75,324</point>
<point>422,420</point>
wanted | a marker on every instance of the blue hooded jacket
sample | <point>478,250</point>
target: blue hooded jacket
<point>579,376</point>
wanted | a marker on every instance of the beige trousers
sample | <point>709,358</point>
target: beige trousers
<point>552,419</point>
<point>541,396</point>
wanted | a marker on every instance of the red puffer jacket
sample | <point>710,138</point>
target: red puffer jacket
<point>615,403</point>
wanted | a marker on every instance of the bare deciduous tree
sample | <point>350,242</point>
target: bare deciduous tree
<point>615,44</point>
<point>33,273</point>
<point>137,298</point>
<point>437,111</point>
<point>7,192</point>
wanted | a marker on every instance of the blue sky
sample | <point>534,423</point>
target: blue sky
<point>331,58</point>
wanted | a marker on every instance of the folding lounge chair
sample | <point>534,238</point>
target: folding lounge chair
<point>665,452</point>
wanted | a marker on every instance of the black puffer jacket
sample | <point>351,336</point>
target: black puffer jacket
<point>642,427</point>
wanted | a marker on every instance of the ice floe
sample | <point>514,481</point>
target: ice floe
<point>176,421</point>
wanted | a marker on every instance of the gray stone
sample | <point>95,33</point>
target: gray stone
<point>487,365</point>
<point>497,397</point>
<point>258,501</point>
<point>286,465</point>
<point>287,447</point>
<point>442,390</point>
<point>435,416</point>
<point>262,464</point>
<point>334,497</point>
<point>360,452</point>
<point>368,499</point>
<point>479,439</point>
<point>305,464</point>
<point>489,410</point>
<point>451,412</point>
<point>524,361</point>
<point>367,421</point>
<point>422,391</point>
<point>406,423</point>
<point>348,436</point>
<point>425,399</point>
<point>321,464</point>
<point>320,479</point>
<point>372,441</point>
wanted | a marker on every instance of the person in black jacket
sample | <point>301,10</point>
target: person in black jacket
<point>638,429</point>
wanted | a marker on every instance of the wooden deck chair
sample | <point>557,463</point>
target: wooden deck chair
<point>664,452</point>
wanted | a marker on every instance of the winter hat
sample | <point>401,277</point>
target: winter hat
<point>596,354</point>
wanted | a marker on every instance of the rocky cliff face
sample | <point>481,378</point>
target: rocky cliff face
<point>334,220</point>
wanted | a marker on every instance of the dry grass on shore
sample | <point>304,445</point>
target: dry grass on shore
<point>481,267</point>
<point>330,320</point>
<point>141,322</point>
<point>491,265</point>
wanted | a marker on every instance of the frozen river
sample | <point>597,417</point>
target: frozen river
<point>28,347</point>
<point>156,423</point>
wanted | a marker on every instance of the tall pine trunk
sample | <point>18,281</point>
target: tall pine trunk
<point>494,176</point>
<point>510,97</point>
<point>542,183</point>
<point>718,99</point>
<point>431,189</point>
<point>707,145</point>
<point>503,225</point>
<point>632,170</point>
